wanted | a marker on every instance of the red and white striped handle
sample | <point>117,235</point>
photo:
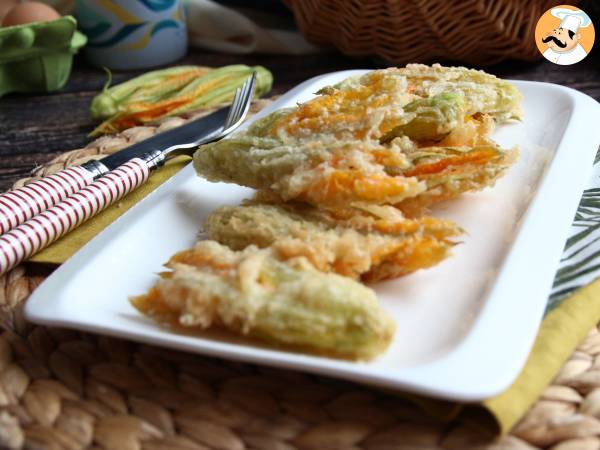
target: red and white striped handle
<point>21,204</point>
<point>43,229</point>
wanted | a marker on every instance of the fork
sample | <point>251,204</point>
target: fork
<point>35,220</point>
<point>21,204</point>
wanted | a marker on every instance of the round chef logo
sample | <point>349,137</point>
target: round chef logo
<point>564,35</point>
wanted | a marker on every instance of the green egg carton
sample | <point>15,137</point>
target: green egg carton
<point>37,57</point>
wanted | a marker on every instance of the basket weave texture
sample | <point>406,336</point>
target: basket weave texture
<point>68,390</point>
<point>478,32</point>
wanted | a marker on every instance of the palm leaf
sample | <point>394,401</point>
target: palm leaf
<point>578,251</point>
<point>573,274</point>
<point>581,235</point>
<point>568,272</point>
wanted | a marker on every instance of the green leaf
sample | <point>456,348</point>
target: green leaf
<point>576,275</point>
<point>566,258</point>
<point>581,235</point>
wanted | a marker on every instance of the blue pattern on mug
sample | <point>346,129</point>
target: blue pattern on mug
<point>128,34</point>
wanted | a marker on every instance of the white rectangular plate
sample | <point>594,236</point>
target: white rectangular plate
<point>465,327</point>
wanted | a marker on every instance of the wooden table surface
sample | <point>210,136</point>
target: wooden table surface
<point>35,128</point>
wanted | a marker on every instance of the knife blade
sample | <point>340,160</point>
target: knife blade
<point>190,132</point>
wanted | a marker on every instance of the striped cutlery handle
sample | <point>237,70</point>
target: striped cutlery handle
<point>21,204</point>
<point>46,227</point>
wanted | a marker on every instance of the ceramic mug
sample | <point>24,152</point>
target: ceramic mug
<point>132,34</point>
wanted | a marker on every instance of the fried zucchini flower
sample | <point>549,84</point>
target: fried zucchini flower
<point>321,172</point>
<point>334,174</point>
<point>370,245</point>
<point>255,294</point>
<point>372,105</point>
<point>356,142</point>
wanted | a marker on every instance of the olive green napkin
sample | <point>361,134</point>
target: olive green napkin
<point>561,330</point>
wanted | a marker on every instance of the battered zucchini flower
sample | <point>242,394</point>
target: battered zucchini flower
<point>253,293</point>
<point>361,244</point>
<point>361,142</point>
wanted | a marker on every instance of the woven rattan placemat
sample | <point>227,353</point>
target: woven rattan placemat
<point>62,389</point>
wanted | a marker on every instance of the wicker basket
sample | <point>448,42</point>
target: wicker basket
<point>479,32</point>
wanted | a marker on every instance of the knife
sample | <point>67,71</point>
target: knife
<point>19,205</point>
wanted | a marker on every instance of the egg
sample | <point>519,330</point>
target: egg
<point>5,7</point>
<point>29,12</point>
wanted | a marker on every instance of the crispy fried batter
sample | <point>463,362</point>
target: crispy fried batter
<point>450,171</point>
<point>318,172</point>
<point>483,93</point>
<point>369,108</point>
<point>375,104</point>
<point>363,245</point>
<point>353,143</point>
<point>254,293</point>
<point>347,174</point>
